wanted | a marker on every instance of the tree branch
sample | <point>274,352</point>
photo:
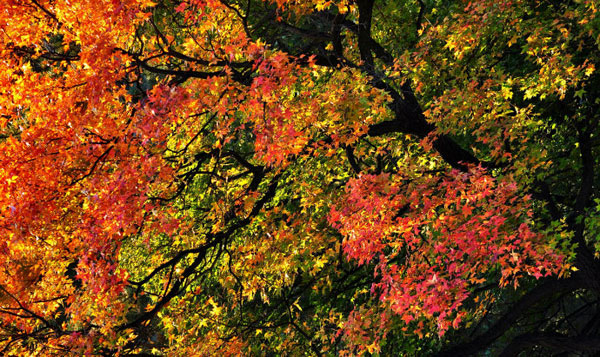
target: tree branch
<point>553,341</point>
<point>505,322</point>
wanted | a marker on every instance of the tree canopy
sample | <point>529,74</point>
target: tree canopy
<point>287,177</point>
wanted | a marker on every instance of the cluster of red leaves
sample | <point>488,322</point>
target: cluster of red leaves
<point>433,238</point>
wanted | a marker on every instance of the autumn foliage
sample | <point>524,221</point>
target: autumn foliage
<point>252,177</point>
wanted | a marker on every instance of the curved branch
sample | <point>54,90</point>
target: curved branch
<point>218,238</point>
<point>506,321</point>
<point>555,342</point>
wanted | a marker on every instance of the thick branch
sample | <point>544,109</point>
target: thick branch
<point>365,9</point>
<point>506,321</point>
<point>552,341</point>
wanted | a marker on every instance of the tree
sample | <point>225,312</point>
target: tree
<point>299,177</point>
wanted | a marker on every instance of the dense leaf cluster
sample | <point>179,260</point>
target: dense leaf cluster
<point>287,177</point>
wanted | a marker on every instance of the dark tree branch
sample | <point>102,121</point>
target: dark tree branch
<point>420,16</point>
<point>547,197</point>
<point>365,15</point>
<point>214,240</point>
<point>46,11</point>
<point>352,160</point>
<point>587,172</point>
<point>505,322</point>
<point>552,341</point>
